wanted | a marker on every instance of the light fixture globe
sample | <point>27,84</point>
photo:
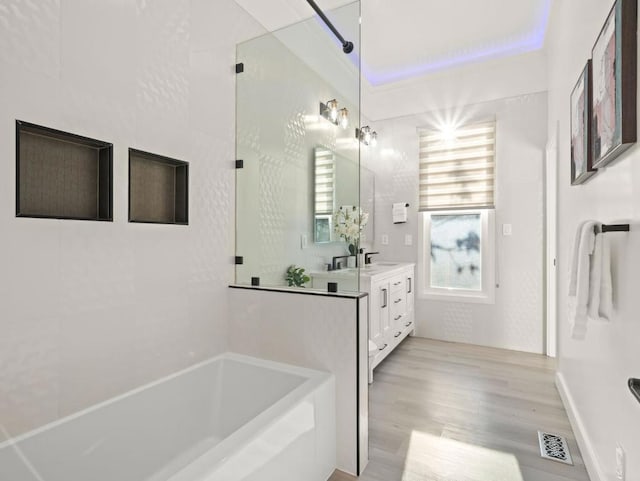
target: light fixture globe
<point>367,136</point>
<point>343,118</point>
<point>332,110</point>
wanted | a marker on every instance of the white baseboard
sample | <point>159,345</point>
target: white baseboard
<point>584,443</point>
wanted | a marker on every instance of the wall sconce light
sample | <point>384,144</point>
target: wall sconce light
<point>330,112</point>
<point>343,118</point>
<point>367,136</point>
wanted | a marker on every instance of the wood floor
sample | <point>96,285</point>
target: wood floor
<point>452,412</point>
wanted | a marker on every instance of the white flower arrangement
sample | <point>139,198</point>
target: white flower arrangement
<point>348,222</point>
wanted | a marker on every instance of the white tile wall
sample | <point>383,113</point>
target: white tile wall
<point>90,309</point>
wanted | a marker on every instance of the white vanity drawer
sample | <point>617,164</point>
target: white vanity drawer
<point>397,284</point>
<point>398,306</point>
<point>397,320</point>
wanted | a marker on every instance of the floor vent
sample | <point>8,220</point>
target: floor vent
<point>554,447</point>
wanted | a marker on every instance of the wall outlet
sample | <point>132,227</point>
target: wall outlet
<point>304,241</point>
<point>384,240</point>
<point>620,463</point>
<point>408,239</point>
<point>506,229</point>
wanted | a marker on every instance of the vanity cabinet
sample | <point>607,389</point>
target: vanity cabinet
<point>391,308</point>
<point>379,312</point>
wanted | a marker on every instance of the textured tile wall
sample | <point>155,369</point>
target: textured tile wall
<point>88,309</point>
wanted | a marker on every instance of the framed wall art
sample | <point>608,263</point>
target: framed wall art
<point>613,106</point>
<point>581,159</point>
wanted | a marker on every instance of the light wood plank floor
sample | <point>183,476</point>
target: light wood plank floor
<point>452,412</point>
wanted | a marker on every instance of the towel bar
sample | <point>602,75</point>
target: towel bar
<point>611,228</point>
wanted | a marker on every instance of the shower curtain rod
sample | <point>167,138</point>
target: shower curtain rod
<point>347,47</point>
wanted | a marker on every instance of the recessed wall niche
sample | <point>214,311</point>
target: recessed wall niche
<point>158,189</point>
<point>61,175</point>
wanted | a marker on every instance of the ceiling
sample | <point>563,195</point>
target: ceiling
<point>404,39</point>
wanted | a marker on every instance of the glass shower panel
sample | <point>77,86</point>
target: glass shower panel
<point>300,156</point>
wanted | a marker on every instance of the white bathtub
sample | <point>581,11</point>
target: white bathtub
<point>230,418</point>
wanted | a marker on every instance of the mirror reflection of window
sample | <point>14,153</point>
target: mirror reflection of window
<point>323,228</point>
<point>324,198</point>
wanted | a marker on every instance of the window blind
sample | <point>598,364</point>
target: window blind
<point>458,172</point>
<point>324,181</point>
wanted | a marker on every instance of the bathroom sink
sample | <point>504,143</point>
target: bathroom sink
<point>380,265</point>
<point>349,271</point>
<point>378,268</point>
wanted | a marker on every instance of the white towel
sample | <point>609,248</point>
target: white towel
<point>600,304</point>
<point>606,284</point>
<point>590,286</point>
<point>579,278</point>
<point>399,212</point>
<point>573,273</point>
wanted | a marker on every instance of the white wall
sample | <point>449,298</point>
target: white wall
<point>92,309</point>
<point>319,332</point>
<point>515,321</point>
<point>594,371</point>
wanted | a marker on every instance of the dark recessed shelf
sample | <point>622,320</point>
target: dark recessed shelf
<point>158,189</point>
<point>61,175</point>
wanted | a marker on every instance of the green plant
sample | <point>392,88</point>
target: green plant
<point>296,277</point>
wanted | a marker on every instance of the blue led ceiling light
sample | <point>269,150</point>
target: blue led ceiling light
<point>530,42</point>
<point>527,43</point>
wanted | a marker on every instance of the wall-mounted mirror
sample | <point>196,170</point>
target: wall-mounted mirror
<point>367,203</point>
<point>335,184</point>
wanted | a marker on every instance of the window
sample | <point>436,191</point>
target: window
<point>457,255</point>
<point>457,168</point>
<point>457,200</point>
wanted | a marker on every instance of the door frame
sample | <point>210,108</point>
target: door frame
<point>551,244</point>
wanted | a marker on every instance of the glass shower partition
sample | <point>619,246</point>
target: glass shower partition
<point>298,169</point>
